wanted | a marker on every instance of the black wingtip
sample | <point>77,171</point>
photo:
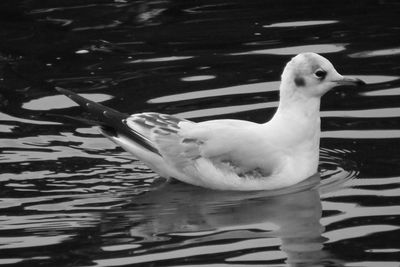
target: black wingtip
<point>110,121</point>
<point>66,92</point>
<point>101,113</point>
<point>62,90</point>
<point>73,96</point>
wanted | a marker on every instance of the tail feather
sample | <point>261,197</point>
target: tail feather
<point>102,113</point>
<point>112,122</point>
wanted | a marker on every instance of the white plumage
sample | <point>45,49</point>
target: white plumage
<point>233,154</point>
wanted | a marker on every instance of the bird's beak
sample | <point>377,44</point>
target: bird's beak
<point>343,80</point>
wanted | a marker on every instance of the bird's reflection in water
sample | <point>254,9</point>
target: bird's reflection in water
<point>179,215</point>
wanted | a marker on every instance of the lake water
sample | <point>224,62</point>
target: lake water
<point>70,197</point>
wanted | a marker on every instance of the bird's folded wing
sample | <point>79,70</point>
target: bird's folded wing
<point>182,143</point>
<point>164,132</point>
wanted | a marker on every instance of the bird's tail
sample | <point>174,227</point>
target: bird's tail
<point>109,120</point>
<point>102,115</point>
<point>112,123</point>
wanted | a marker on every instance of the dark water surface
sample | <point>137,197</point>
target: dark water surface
<point>70,197</point>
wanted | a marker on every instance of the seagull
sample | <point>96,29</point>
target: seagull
<point>229,154</point>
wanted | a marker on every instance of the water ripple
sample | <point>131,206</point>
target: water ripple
<point>31,241</point>
<point>60,102</point>
<point>294,50</point>
<point>231,90</point>
<point>376,53</point>
<point>161,59</point>
<point>300,23</point>
<point>71,197</point>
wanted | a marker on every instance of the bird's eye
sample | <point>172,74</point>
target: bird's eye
<point>320,74</point>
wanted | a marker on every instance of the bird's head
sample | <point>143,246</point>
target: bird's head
<point>312,75</point>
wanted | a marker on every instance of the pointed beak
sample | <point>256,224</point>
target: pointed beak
<point>349,81</point>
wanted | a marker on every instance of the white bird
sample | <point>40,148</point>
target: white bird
<point>233,154</point>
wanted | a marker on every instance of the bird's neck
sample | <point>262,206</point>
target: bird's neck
<point>296,104</point>
<point>300,107</point>
<point>298,114</point>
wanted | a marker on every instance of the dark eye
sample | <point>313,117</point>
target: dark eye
<point>320,74</point>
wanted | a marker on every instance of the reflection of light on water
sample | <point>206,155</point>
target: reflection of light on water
<point>60,102</point>
<point>41,148</point>
<point>112,24</point>
<point>293,50</point>
<point>160,59</point>
<point>198,78</point>
<point>120,247</point>
<point>373,263</point>
<point>383,92</point>
<point>31,241</point>
<point>82,51</point>
<point>10,261</point>
<point>357,231</point>
<point>231,90</point>
<point>206,249</point>
<point>259,256</point>
<point>6,128</point>
<point>62,8</point>
<point>6,117</point>
<point>205,8</point>
<point>374,79</point>
<point>362,134</point>
<point>376,53</point>
<point>62,22</point>
<point>364,113</point>
<point>300,23</point>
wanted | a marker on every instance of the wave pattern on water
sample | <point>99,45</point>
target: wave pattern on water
<point>70,197</point>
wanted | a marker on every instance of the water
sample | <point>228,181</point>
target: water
<point>69,197</point>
